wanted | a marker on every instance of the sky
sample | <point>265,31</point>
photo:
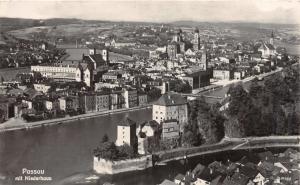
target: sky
<point>262,11</point>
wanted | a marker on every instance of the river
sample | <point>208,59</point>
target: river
<point>61,150</point>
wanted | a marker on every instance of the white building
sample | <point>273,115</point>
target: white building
<point>267,50</point>
<point>126,133</point>
<point>41,87</point>
<point>171,106</point>
<point>62,72</point>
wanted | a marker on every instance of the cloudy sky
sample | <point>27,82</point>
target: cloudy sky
<point>270,11</point>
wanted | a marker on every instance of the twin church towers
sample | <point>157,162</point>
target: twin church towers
<point>178,46</point>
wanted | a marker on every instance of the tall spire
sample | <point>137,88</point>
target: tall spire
<point>272,38</point>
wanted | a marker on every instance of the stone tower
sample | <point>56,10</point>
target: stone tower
<point>196,41</point>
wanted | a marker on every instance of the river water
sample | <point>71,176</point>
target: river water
<point>61,150</point>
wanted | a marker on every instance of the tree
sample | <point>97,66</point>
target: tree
<point>180,86</point>
<point>126,151</point>
<point>239,107</point>
<point>105,138</point>
<point>107,150</point>
<point>153,94</point>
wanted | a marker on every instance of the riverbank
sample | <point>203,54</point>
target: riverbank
<point>19,125</point>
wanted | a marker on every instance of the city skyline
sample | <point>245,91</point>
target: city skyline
<point>266,11</point>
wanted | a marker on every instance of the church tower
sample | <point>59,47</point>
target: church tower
<point>203,61</point>
<point>196,41</point>
<point>272,38</point>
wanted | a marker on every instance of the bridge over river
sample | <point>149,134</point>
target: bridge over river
<point>227,145</point>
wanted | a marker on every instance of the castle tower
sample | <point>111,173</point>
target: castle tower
<point>196,41</point>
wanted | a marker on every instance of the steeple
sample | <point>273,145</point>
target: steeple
<point>196,41</point>
<point>272,38</point>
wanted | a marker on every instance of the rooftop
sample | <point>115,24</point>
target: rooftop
<point>127,122</point>
<point>170,100</point>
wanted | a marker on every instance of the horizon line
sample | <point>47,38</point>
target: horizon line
<point>158,22</point>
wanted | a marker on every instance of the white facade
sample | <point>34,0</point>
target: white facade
<point>148,130</point>
<point>124,135</point>
<point>62,103</point>
<point>222,74</point>
<point>161,113</point>
<point>59,72</point>
<point>41,87</point>
<point>259,179</point>
<point>267,50</point>
<point>29,103</point>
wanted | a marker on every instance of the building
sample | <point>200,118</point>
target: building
<point>117,101</point>
<point>196,40</point>
<point>267,50</point>
<point>172,50</point>
<point>223,74</point>
<point>7,109</point>
<point>102,101</point>
<point>197,78</point>
<point>142,99</point>
<point>130,97</point>
<point>42,87</point>
<point>68,103</point>
<point>170,129</point>
<point>176,46</point>
<point>87,103</point>
<point>171,106</point>
<point>60,72</point>
<point>51,104</point>
<point>126,133</point>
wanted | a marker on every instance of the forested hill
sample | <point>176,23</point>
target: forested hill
<point>268,109</point>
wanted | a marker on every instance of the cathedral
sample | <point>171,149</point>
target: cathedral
<point>176,46</point>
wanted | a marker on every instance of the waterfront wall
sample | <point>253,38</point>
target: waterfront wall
<point>104,166</point>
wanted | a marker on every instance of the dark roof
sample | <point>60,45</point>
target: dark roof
<point>250,158</point>
<point>248,171</point>
<point>289,151</point>
<point>99,60</point>
<point>171,100</point>
<point>218,180</point>
<point>236,179</point>
<point>217,166</point>
<point>127,122</point>
<point>198,169</point>
<point>208,174</point>
<point>266,156</point>
<point>266,166</point>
